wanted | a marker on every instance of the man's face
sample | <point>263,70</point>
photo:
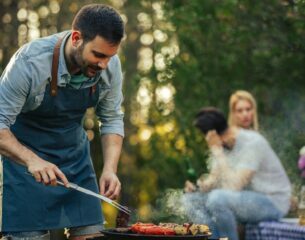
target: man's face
<point>93,56</point>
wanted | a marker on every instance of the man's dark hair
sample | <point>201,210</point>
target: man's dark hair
<point>210,118</point>
<point>101,20</point>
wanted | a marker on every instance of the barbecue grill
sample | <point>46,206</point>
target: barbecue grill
<point>112,234</point>
<point>122,232</point>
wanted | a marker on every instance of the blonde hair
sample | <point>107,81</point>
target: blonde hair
<point>242,95</point>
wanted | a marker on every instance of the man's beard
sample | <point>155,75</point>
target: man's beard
<point>85,67</point>
<point>90,68</point>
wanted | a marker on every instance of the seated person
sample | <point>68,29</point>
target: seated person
<point>246,183</point>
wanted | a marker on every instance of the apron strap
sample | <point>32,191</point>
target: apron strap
<point>93,89</point>
<point>55,61</point>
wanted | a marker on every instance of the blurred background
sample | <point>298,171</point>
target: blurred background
<point>178,56</point>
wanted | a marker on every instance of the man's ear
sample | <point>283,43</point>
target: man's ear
<point>76,38</point>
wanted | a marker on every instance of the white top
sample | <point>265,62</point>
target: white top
<point>253,152</point>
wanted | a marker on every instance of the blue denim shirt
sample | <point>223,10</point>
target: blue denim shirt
<point>24,80</point>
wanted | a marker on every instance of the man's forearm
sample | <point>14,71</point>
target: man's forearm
<point>225,175</point>
<point>42,170</point>
<point>231,179</point>
<point>12,148</point>
<point>112,146</point>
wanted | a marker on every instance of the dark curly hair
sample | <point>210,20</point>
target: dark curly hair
<point>211,118</point>
<point>101,20</point>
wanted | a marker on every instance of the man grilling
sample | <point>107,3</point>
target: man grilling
<point>44,93</point>
<point>247,182</point>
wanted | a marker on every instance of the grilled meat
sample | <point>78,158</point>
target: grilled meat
<point>170,229</point>
<point>122,219</point>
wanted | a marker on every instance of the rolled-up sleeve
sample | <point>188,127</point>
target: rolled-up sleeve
<point>109,108</point>
<point>14,88</point>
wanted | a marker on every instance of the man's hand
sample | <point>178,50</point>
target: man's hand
<point>204,185</point>
<point>42,170</point>
<point>214,142</point>
<point>110,185</point>
<point>189,187</point>
<point>46,172</point>
<point>207,182</point>
<point>213,139</point>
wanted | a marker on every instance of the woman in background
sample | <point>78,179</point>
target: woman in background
<point>243,110</point>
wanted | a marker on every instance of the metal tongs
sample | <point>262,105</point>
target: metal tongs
<point>89,192</point>
<point>101,197</point>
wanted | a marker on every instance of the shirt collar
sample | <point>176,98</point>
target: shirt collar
<point>63,73</point>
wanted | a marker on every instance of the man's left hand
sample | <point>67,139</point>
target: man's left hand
<point>110,185</point>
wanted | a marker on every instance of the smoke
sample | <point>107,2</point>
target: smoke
<point>179,207</point>
<point>195,207</point>
<point>173,201</point>
<point>170,208</point>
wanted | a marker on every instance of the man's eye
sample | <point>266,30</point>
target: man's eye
<point>99,55</point>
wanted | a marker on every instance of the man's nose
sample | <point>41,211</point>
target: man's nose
<point>103,63</point>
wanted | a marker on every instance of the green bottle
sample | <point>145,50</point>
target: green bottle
<point>190,171</point>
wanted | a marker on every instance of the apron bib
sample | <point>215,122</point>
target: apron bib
<point>54,132</point>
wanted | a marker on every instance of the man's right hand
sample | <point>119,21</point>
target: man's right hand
<point>213,139</point>
<point>189,187</point>
<point>42,170</point>
<point>46,172</point>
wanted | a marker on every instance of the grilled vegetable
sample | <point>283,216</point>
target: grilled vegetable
<point>180,230</point>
